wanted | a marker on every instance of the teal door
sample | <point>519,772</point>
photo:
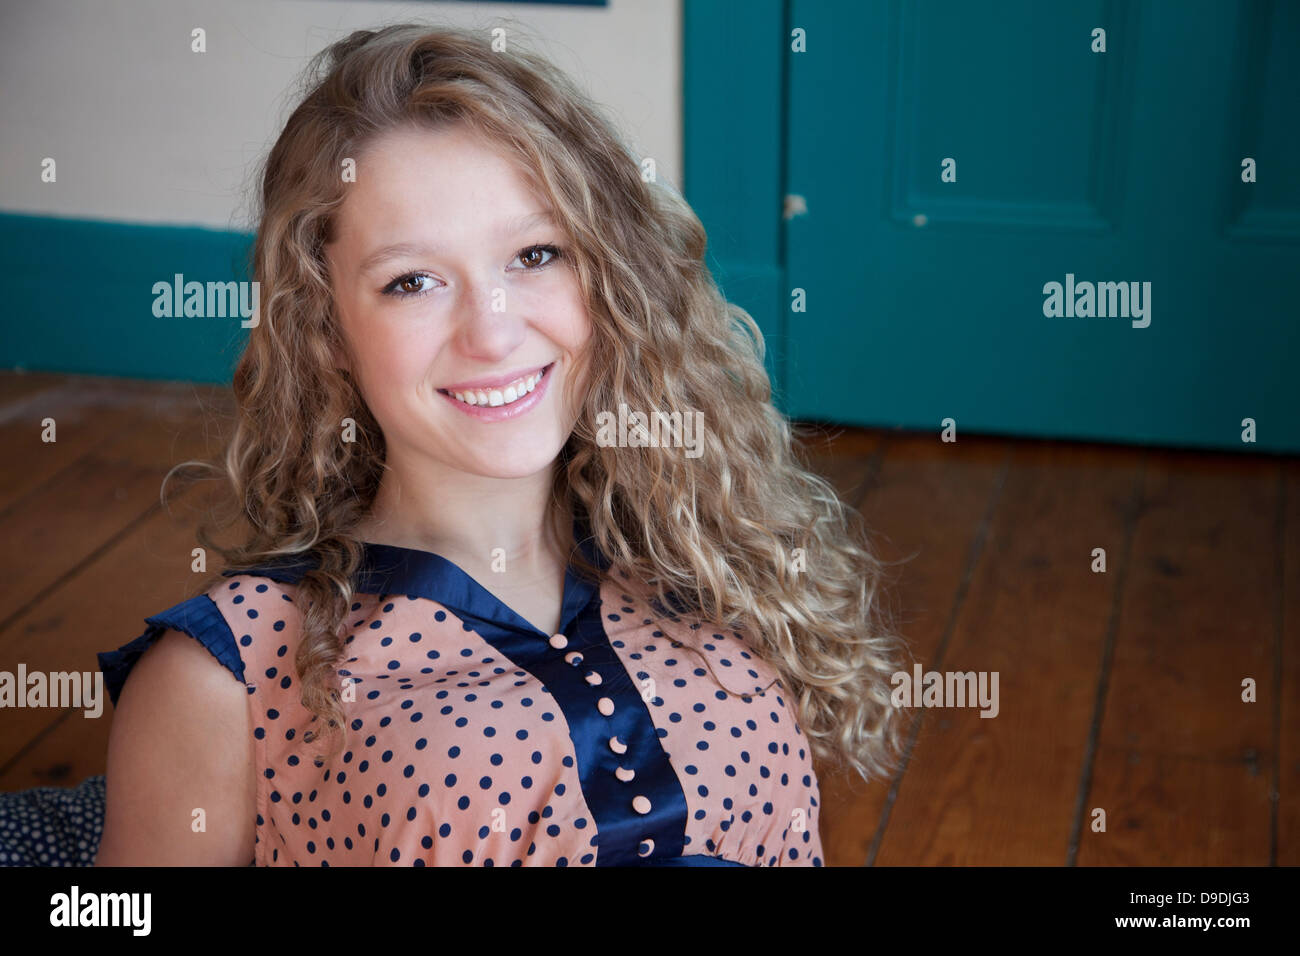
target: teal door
<point>946,162</point>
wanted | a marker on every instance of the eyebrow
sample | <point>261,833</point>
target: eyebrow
<point>511,227</point>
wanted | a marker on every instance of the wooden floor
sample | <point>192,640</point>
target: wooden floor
<point>1119,691</point>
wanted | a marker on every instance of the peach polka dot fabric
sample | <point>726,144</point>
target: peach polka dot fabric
<point>634,736</point>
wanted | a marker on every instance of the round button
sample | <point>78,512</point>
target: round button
<point>624,774</point>
<point>605,706</point>
<point>574,658</point>
<point>640,804</point>
<point>559,641</point>
<point>593,678</point>
<point>617,745</point>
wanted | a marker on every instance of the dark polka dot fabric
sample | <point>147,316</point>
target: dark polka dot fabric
<point>633,736</point>
<point>52,826</point>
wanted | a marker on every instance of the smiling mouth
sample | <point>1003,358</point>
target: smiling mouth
<point>500,395</point>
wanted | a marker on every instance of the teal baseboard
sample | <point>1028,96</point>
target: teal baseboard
<point>81,298</point>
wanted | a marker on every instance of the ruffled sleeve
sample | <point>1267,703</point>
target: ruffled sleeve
<point>199,617</point>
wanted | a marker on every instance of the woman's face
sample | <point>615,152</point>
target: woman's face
<point>450,309</point>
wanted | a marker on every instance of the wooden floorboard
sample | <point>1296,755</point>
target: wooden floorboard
<point>84,506</point>
<point>1001,790</point>
<point>1286,772</point>
<point>1183,765</point>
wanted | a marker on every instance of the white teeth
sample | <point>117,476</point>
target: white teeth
<point>500,396</point>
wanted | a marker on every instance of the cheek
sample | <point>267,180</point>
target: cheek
<point>394,368</point>
<point>575,338</point>
<point>575,329</point>
<point>391,349</point>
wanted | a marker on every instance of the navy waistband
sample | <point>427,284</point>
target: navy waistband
<point>693,859</point>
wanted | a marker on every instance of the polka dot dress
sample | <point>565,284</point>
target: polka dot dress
<point>633,736</point>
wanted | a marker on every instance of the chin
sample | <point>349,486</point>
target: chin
<point>525,471</point>
<point>513,462</point>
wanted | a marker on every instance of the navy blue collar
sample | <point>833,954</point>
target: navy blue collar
<point>389,569</point>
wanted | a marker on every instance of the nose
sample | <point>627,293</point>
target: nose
<point>487,329</point>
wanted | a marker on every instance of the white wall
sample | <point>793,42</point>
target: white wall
<point>144,130</point>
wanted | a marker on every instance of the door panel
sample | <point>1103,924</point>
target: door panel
<point>925,298</point>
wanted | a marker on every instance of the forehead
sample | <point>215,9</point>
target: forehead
<point>417,180</point>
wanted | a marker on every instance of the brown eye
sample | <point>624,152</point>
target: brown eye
<point>531,257</point>
<point>411,284</point>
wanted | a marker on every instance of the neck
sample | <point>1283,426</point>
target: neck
<point>466,517</point>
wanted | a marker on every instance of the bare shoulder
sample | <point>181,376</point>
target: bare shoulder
<point>181,786</point>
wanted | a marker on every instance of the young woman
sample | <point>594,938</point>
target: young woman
<point>471,621</point>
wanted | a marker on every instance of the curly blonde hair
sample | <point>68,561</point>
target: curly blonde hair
<point>716,533</point>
